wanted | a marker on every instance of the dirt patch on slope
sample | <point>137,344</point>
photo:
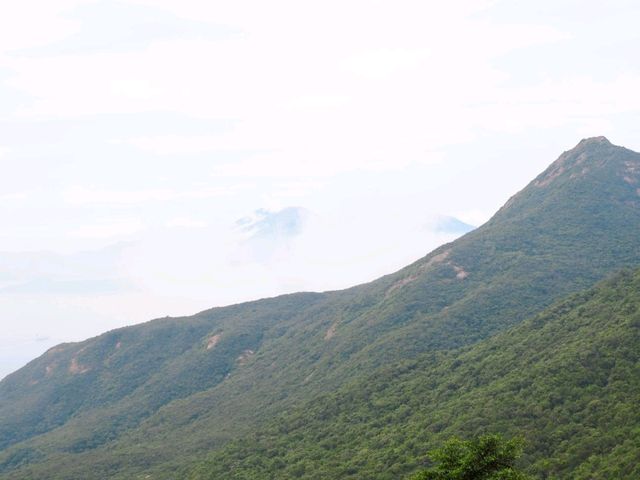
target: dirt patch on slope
<point>331,332</point>
<point>75,368</point>
<point>441,257</point>
<point>245,356</point>
<point>213,341</point>
<point>550,177</point>
<point>461,273</point>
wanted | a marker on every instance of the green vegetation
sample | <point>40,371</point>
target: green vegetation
<point>237,381</point>
<point>567,380</point>
<point>488,457</point>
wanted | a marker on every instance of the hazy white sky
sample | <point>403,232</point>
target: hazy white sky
<point>134,134</point>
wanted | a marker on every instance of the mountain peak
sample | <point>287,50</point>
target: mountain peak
<point>592,147</point>
<point>595,141</point>
<point>588,158</point>
<point>580,179</point>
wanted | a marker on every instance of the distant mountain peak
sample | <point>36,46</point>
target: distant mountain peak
<point>450,225</point>
<point>288,221</point>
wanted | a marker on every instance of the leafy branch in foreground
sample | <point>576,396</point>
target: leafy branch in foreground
<point>489,457</point>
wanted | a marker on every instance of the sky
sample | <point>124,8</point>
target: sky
<point>160,157</point>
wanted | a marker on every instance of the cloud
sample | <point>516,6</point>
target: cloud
<point>86,196</point>
<point>17,133</point>
<point>383,63</point>
<point>380,100</point>
<point>284,223</point>
<point>268,234</point>
<point>109,26</point>
<point>177,144</point>
<point>13,197</point>
<point>45,22</point>
<point>273,252</point>
<point>44,286</point>
<point>185,222</point>
<point>162,121</point>
<point>88,272</point>
<point>108,228</point>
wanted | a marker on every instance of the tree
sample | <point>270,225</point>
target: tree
<point>489,457</point>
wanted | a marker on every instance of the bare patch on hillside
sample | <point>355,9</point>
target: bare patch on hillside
<point>245,356</point>
<point>581,158</point>
<point>331,332</point>
<point>441,257</point>
<point>118,345</point>
<point>632,167</point>
<point>213,341</point>
<point>550,177</point>
<point>581,173</point>
<point>59,348</point>
<point>75,368</point>
<point>401,283</point>
<point>461,273</point>
<point>631,172</point>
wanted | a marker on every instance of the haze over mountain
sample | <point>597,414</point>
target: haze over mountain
<point>187,266</point>
<point>159,123</point>
<point>156,397</point>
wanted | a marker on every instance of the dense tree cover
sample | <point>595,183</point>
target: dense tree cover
<point>568,380</point>
<point>488,457</point>
<point>151,399</point>
<point>130,373</point>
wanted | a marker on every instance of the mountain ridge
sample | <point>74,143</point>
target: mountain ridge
<point>566,379</point>
<point>548,241</point>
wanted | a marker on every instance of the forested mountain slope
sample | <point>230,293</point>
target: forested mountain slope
<point>568,380</point>
<point>149,399</point>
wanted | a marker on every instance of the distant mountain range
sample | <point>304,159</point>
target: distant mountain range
<point>445,224</point>
<point>291,221</point>
<point>264,223</point>
<point>359,383</point>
